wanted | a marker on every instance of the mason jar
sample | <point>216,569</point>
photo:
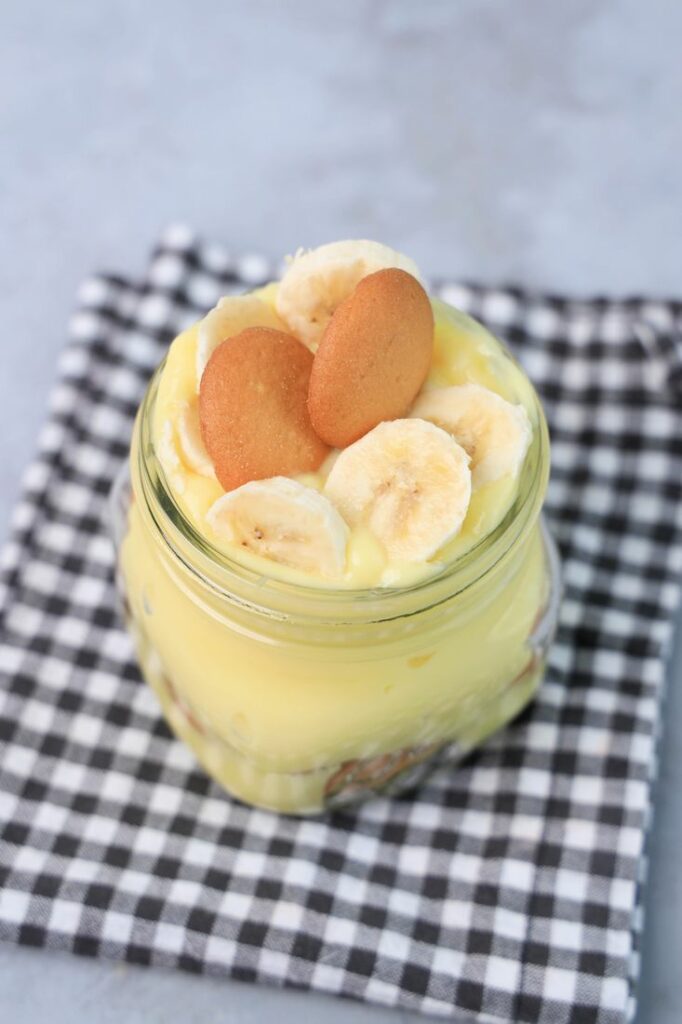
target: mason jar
<point>302,698</point>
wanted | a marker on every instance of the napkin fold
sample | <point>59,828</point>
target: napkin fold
<point>509,888</point>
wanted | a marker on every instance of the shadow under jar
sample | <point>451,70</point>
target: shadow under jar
<point>301,699</point>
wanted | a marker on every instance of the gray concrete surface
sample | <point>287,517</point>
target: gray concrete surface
<point>532,142</point>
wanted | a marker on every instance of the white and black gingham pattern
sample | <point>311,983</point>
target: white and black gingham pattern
<point>507,888</point>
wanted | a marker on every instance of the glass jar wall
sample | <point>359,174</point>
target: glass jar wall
<point>302,698</point>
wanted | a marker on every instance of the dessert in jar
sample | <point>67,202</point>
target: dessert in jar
<point>329,543</point>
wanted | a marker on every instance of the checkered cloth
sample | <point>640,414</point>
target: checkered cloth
<point>508,888</point>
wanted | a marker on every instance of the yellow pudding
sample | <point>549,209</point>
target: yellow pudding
<point>298,692</point>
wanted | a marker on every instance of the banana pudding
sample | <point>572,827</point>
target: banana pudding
<point>332,562</point>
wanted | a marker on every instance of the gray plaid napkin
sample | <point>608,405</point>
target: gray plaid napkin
<point>508,888</point>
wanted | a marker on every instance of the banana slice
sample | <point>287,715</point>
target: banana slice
<point>232,314</point>
<point>409,482</point>
<point>192,449</point>
<point>317,281</point>
<point>285,521</point>
<point>495,433</point>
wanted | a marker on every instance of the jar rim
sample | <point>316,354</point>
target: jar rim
<point>237,584</point>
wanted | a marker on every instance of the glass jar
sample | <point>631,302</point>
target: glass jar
<point>301,698</point>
